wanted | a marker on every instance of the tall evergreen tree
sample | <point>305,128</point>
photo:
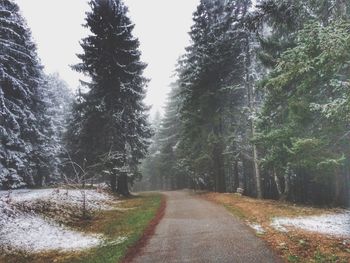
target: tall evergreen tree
<point>285,19</point>
<point>169,134</point>
<point>113,130</point>
<point>59,99</point>
<point>211,81</point>
<point>24,132</point>
<point>152,178</point>
<point>302,123</point>
<point>163,167</point>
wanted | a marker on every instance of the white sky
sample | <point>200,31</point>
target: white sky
<point>161,26</point>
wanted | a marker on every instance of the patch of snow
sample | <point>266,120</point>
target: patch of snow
<point>332,224</point>
<point>277,224</point>
<point>257,227</point>
<point>253,6</point>
<point>28,231</point>
<point>94,199</point>
<point>33,233</point>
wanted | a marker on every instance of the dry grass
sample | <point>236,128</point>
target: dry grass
<point>295,245</point>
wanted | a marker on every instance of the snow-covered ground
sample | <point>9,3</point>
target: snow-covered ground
<point>34,233</point>
<point>94,199</point>
<point>23,229</point>
<point>329,224</point>
<point>257,227</point>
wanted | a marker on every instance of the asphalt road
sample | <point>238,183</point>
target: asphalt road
<point>196,230</point>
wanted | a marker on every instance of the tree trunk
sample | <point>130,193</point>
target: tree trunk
<point>220,185</point>
<point>259,193</point>
<point>347,184</point>
<point>257,174</point>
<point>338,189</point>
<point>286,186</point>
<point>40,175</point>
<point>278,184</point>
<point>252,109</point>
<point>236,177</point>
<point>241,177</point>
<point>283,194</point>
<point>123,187</point>
<point>113,181</point>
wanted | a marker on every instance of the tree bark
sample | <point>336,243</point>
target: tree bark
<point>338,186</point>
<point>286,186</point>
<point>220,185</point>
<point>113,181</point>
<point>278,184</point>
<point>251,105</point>
<point>257,173</point>
<point>236,177</point>
<point>283,194</point>
<point>123,186</point>
<point>240,166</point>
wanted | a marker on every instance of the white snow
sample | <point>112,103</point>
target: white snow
<point>31,232</point>
<point>257,227</point>
<point>253,6</point>
<point>329,224</point>
<point>94,199</point>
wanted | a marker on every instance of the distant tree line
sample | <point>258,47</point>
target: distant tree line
<point>48,135</point>
<point>261,103</point>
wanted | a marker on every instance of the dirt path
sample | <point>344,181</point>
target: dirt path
<point>196,230</point>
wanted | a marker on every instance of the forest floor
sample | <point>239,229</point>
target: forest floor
<point>296,233</point>
<point>47,225</point>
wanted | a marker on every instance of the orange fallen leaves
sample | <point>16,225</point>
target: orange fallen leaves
<point>295,245</point>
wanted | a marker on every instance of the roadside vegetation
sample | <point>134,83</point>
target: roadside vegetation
<point>122,226</point>
<point>292,244</point>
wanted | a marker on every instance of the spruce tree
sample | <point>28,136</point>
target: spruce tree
<point>302,122</point>
<point>284,20</point>
<point>169,139</point>
<point>23,124</point>
<point>58,99</point>
<point>150,167</point>
<point>211,70</point>
<point>113,131</point>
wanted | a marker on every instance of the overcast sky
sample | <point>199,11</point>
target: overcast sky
<point>161,25</point>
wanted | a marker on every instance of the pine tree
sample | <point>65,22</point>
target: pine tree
<point>169,134</point>
<point>24,142</point>
<point>213,75</point>
<point>284,20</point>
<point>302,123</point>
<point>113,125</point>
<point>59,99</point>
<point>150,168</point>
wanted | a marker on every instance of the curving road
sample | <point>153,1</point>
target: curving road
<point>196,230</point>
